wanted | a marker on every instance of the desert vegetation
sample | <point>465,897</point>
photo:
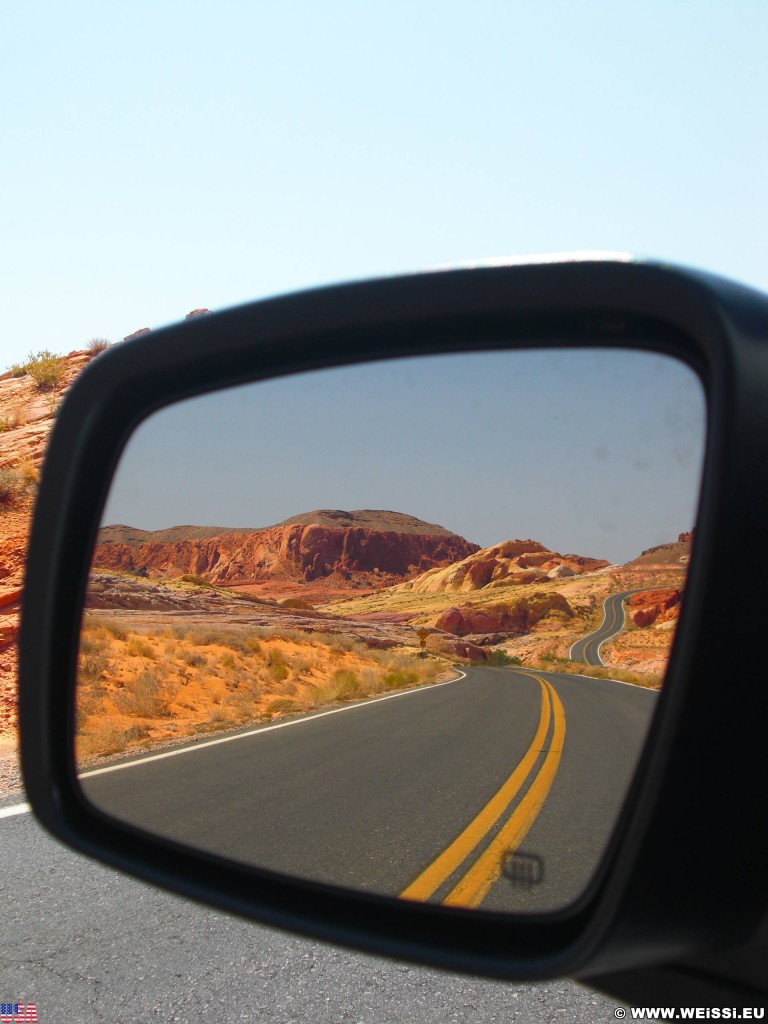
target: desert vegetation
<point>548,662</point>
<point>45,368</point>
<point>17,482</point>
<point>139,689</point>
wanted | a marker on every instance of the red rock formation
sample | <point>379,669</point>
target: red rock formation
<point>655,606</point>
<point>516,617</point>
<point>291,553</point>
<point>512,562</point>
<point>450,647</point>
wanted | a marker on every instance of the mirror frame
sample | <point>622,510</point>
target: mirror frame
<point>632,912</point>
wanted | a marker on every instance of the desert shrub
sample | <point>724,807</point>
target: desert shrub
<point>281,706</point>
<point>17,369</point>
<point>91,666</point>
<point>275,656</point>
<point>346,684</point>
<point>45,369</point>
<point>97,345</point>
<point>135,647</point>
<point>499,657</point>
<point>195,660</point>
<point>30,474</point>
<point>279,672</point>
<point>14,486</point>
<point>141,696</point>
<point>396,678</point>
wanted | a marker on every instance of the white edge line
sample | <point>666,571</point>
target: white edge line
<point>603,679</point>
<point>9,812</point>
<point>256,732</point>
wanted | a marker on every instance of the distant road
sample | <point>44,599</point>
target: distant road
<point>421,794</point>
<point>587,650</point>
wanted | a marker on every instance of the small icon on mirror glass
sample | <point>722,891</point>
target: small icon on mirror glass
<point>523,868</point>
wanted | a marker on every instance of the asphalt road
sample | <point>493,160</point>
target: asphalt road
<point>587,650</point>
<point>422,794</point>
<point>90,946</point>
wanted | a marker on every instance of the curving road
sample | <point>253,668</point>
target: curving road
<point>587,650</point>
<point>424,794</point>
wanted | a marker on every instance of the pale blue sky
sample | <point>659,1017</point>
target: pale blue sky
<point>162,156</point>
<point>596,453</point>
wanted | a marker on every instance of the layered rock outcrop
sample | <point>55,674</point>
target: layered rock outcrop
<point>515,617</point>
<point>655,607</point>
<point>512,562</point>
<point>297,553</point>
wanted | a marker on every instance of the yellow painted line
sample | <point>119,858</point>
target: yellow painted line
<point>454,855</point>
<point>474,886</point>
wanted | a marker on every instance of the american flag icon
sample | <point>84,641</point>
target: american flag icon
<point>18,1013</point>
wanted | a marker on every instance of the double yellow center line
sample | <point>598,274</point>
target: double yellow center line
<point>473,886</point>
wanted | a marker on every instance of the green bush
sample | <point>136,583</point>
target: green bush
<point>45,369</point>
<point>499,657</point>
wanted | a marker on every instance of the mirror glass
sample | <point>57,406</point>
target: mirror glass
<point>399,627</point>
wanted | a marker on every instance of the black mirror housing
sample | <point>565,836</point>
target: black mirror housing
<point>694,835</point>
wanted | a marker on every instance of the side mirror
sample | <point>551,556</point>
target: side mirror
<point>437,669</point>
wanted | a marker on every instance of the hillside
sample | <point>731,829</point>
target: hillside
<point>118,533</point>
<point>369,519</point>
<point>676,553</point>
<point>27,412</point>
<point>278,560</point>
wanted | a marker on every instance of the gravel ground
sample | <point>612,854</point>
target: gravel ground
<point>10,771</point>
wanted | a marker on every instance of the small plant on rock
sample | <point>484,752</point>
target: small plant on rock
<point>45,369</point>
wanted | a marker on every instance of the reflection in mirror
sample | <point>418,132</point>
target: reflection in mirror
<point>413,642</point>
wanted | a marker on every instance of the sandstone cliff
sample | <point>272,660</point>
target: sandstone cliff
<point>294,553</point>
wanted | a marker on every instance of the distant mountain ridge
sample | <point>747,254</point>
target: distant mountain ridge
<point>369,519</point>
<point>119,533</point>
<point>338,549</point>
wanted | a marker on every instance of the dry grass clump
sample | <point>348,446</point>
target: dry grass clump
<point>15,416</point>
<point>96,346</point>
<point>18,482</point>
<point>181,682</point>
